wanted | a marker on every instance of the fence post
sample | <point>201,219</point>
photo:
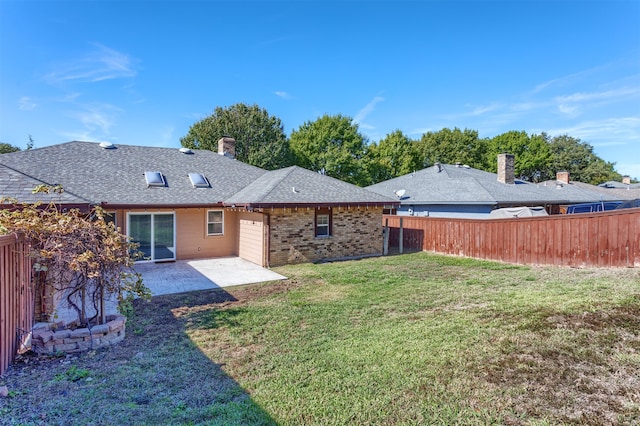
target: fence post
<point>385,233</point>
<point>400,238</point>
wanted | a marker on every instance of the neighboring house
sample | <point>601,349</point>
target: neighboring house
<point>625,184</point>
<point>458,190</point>
<point>187,204</point>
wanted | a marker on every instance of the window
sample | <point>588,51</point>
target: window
<point>323,222</point>
<point>110,217</point>
<point>155,234</point>
<point>215,222</point>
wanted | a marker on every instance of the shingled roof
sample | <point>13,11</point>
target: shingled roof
<point>297,186</point>
<point>115,176</point>
<point>18,186</point>
<point>458,184</point>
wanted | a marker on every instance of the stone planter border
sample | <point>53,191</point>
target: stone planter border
<point>53,338</point>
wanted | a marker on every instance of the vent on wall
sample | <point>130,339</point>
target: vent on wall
<point>198,180</point>
<point>154,179</point>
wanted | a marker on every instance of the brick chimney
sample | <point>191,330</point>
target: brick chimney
<point>563,177</point>
<point>506,168</point>
<point>626,180</point>
<point>227,147</point>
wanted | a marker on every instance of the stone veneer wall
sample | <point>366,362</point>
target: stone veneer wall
<point>356,231</point>
<point>47,338</point>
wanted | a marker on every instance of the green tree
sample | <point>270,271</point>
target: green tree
<point>532,154</point>
<point>453,146</point>
<point>577,157</point>
<point>332,145</point>
<point>6,148</point>
<point>260,138</point>
<point>393,156</point>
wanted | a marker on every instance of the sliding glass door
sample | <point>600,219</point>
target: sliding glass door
<point>155,232</point>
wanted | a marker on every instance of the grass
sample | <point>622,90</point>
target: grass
<point>411,339</point>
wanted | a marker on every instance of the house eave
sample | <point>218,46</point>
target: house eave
<point>137,206</point>
<point>316,205</point>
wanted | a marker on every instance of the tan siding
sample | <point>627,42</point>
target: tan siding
<point>251,237</point>
<point>192,241</point>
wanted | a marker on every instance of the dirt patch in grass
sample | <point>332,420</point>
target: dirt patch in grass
<point>583,368</point>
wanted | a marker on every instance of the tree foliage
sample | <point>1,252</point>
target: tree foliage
<point>83,257</point>
<point>260,138</point>
<point>5,148</point>
<point>453,146</point>
<point>532,154</point>
<point>577,157</point>
<point>393,156</point>
<point>333,145</point>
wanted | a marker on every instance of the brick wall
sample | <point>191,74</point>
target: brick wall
<point>356,231</point>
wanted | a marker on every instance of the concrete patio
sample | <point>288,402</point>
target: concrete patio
<point>189,275</point>
<point>203,274</point>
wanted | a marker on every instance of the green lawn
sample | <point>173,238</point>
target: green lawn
<point>411,339</point>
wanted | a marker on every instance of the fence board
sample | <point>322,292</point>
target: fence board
<point>604,239</point>
<point>16,297</point>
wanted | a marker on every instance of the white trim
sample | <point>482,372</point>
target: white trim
<point>152,242</point>
<point>222,222</point>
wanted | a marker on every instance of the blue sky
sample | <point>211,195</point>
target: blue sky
<point>142,72</point>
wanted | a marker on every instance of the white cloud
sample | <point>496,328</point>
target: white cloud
<point>480,110</point>
<point>367,109</point>
<point>166,136</point>
<point>25,103</point>
<point>97,120</point>
<point>607,132</point>
<point>565,80</point>
<point>100,64</point>
<point>283,95</point>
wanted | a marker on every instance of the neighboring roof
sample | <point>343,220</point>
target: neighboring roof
<point>620,190</point>
<point>115,176</point>
<point>295,186</point>
<point>619,185</point>
<point>456,184</point>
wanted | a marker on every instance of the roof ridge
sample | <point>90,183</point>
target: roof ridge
<point>275,183</point>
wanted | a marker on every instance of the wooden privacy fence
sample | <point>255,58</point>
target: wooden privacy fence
<point>606,239</point>
<point>16,297</point>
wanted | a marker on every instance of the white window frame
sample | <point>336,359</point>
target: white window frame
<point>215,222</point>
<point>152,246</point>
<point>321,217</point>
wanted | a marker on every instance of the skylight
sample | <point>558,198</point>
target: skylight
<point>154,179</point>
<point>198,180</point>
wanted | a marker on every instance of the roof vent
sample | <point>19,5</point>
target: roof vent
<point>198,180</point>
<point>186,150</point>
<point>154,179</point>
<point>107,145</point>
